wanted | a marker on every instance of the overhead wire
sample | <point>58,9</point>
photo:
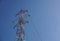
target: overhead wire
<point>35,29</point>
<point>30,33</point>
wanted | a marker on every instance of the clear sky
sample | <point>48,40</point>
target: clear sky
<point>44,23</point>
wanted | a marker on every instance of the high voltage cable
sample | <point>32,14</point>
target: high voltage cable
<point>36,29</point>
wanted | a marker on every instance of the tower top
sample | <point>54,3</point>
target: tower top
<point>23,11</point>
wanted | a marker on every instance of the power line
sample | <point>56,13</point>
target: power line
<point>35,29</point>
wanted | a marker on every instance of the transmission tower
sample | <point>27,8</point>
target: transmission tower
<point>20,33</point>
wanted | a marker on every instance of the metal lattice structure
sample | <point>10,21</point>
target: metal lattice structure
<point>20,33</point>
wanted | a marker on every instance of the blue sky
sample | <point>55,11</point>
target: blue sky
<point>44,22</point>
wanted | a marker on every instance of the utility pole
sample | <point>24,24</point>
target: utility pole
<point>20,33</point>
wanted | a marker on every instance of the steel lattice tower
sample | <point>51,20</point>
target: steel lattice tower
<point>20,33</point>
